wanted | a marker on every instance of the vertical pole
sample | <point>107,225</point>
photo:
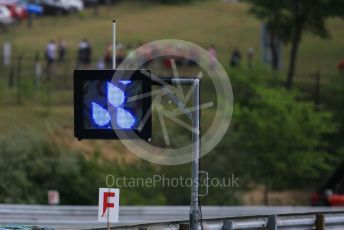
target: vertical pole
<point>114,45</point>
<point>19,66</point>
<point>114,67</point>
<point>38,71</point>
<point>194,209</point>
<point>11,76</point>
<point>227,225</point>
<point>320,222</point>
<point>272,222</point>
<point>317,90</point>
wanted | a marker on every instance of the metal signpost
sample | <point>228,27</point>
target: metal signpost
<point>195,117</point>
<point>196,144</point>
<point>96,98</point>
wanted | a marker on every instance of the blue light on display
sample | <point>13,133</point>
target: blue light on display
<point>115,95</point>
<point>116,98</point>
<point>125,82</point>
<point>124,119</point>
<point>100,115</point>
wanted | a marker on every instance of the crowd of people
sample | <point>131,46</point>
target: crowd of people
<point>143,56</point>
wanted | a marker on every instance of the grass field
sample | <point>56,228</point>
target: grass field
<point>226,25</point>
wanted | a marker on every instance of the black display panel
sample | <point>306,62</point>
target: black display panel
<point>112,104</point>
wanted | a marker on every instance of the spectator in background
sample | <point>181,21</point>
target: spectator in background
<point>101,64</point>
<point>179,60</point>
<point>168,54</point>
<point>130,49</point>
<point>212,56</point>
<point>340,66</point>
<point>88,55</point>
<point>120,53</point>
<point>108,56</point>
<point>250,56</point>
<point>235,58</point>
<point>62,49</point>
<point>50,56</point>
<point>155,61</point>
<point>194,57</point>
<point>141,57</point>
<point>50,52</point>
<point>84,54</point>
<point>131,55</point>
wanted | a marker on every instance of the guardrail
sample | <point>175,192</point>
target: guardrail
<point>316,221</point>
<point>163,217</point>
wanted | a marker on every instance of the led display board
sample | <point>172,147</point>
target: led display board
<point>112,104</point>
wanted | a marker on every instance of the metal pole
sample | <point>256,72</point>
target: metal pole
<point>196,143</point>
<point>317,91</point>
<point>194,208</point>
<point>320,222</point>
<point>114,44</point>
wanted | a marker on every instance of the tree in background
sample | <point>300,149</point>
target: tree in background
<point>283,140</point>
<point>290,19</point>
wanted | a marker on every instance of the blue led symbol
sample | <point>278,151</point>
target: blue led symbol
<point>116,98</point>
<point>100,115</point>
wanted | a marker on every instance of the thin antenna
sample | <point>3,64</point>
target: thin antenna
<point>114,45</point>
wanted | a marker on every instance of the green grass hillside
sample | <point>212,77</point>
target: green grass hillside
<point>226,25</point>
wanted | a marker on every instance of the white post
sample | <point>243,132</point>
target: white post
<point>7,53</point>
<point>114,45</point>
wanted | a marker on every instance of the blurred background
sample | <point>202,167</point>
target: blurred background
<point>285,60</point>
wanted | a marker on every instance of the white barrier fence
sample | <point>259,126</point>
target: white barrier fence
<point>85,217</point>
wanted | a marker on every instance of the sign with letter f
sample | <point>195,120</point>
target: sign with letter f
<point>108,209</point>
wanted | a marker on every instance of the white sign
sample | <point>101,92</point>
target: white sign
<point>53,197</point>
<point>108,209</point>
